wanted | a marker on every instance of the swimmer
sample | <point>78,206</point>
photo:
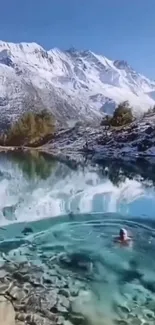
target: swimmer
<point>123,237</point>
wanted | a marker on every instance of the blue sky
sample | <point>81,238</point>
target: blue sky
<point>118,29</point>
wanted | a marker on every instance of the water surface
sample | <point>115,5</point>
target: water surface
<point>72,214</point>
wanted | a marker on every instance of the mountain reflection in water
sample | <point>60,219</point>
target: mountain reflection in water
<point>55,215</point>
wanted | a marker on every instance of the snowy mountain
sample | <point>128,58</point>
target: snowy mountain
<point>74,85</point>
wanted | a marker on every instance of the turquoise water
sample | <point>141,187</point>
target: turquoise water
<point>40,194</point>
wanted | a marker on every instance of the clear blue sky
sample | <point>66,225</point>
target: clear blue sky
<point>119,29</point>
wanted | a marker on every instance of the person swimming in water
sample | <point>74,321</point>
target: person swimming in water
<point>123,237</point>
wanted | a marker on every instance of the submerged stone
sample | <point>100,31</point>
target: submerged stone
<point>77,261</point>
<point>27,230</point>
<point>137,321</point>
<point>67,322</point>
<point>149,314</point>
<point>64,292</point>
<point>77,319</point>
<point>121,322</point>
<point>64,301</point>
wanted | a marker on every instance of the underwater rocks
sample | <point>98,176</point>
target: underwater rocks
<point>35,301</point>
<point>52,295</point>
<point>137,306</point>
<point>27,230</point>
<point>77,261</point>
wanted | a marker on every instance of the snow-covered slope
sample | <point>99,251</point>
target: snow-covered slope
<point>73,84</point>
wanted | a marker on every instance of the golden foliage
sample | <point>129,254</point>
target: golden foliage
<point>30,129</point>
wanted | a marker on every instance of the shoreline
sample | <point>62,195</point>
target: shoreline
<point>79,143</point>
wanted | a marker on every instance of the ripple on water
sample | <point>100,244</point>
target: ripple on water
<point>121,280</point>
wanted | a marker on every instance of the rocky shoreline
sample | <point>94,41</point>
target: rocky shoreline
<point>79,143</point>
<point>82,142</point>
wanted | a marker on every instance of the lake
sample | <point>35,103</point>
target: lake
<point>64,215</point>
